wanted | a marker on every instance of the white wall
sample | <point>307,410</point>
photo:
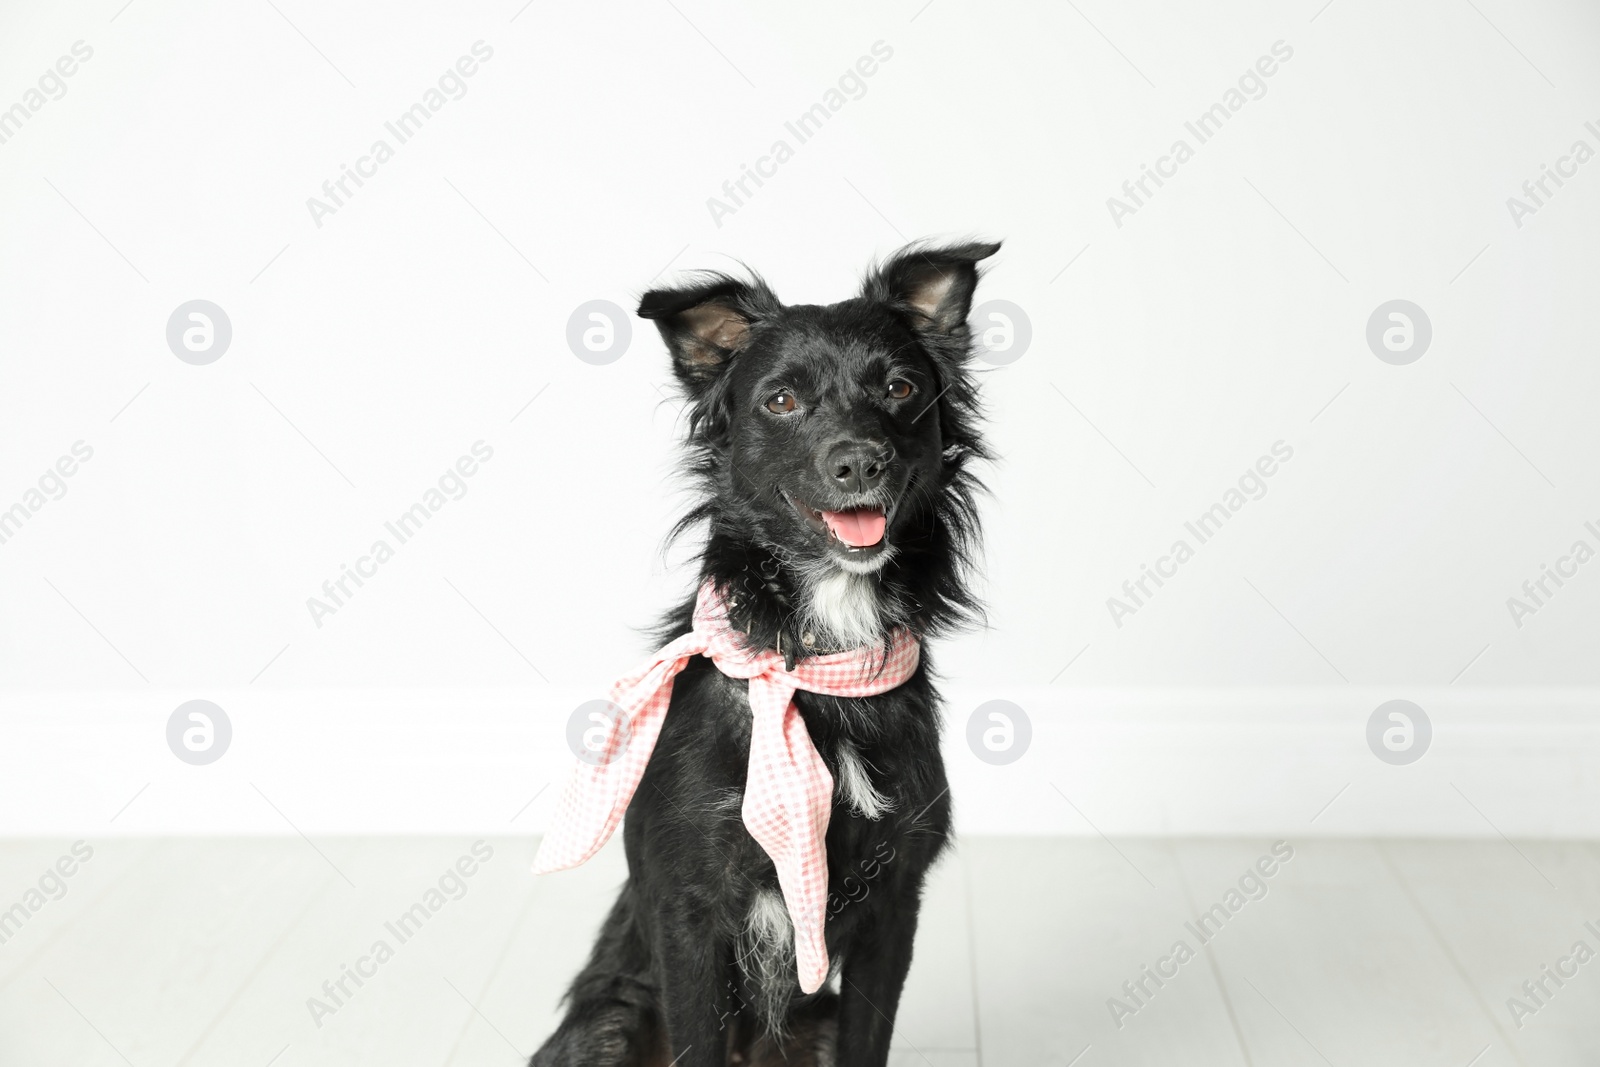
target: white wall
<point>1168,353</point>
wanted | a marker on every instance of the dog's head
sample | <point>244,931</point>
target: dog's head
<point>835,437</point>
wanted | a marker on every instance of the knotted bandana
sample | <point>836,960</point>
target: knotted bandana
<point>788,794</point>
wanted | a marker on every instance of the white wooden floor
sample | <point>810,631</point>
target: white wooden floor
<point>173,952</point>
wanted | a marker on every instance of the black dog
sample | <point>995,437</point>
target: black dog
<point>833,447</point>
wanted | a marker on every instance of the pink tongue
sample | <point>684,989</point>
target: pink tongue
<point>859,528</point>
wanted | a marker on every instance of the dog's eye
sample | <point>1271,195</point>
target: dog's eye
<point>899,389</point>
<point>781,403</point>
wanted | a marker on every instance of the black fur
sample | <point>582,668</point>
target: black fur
<point>673,976</point>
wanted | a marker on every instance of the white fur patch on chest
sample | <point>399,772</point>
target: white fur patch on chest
<point>843,609</point>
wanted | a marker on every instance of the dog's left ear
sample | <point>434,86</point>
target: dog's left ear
<point>933,285</point>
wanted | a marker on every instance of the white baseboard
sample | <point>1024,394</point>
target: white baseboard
<point>1258,762</point>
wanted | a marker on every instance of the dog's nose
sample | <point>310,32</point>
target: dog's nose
<point>857,466</point>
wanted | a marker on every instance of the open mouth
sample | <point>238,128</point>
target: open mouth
<point>855,530</point>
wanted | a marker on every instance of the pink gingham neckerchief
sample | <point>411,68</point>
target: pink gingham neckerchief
<point>788,793</point>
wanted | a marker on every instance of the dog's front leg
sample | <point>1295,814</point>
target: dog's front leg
<point>691,974</point>
<point>869,988</point>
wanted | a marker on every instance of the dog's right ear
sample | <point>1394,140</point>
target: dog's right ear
<point>706,325</point>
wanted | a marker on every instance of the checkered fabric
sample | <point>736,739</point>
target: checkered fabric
<point>788,793</point>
